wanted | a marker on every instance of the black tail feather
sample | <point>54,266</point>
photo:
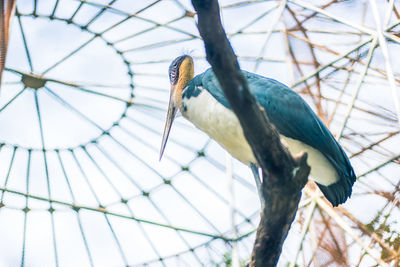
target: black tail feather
<point>340,191</point>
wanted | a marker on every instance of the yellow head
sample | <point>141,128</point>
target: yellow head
<point>181,71</point>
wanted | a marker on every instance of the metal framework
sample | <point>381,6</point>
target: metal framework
<point>84,95</point>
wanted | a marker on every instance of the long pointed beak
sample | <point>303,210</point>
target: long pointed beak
<point>172,109</point>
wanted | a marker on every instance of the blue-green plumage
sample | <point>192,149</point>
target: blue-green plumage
<point>293,119</point>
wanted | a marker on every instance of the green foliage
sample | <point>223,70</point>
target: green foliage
<point>228,261</point>
<point>380,226</point>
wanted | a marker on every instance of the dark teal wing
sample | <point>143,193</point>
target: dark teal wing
<point>293,118</point>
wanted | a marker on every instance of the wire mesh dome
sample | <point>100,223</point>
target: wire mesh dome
<point>82,107</point>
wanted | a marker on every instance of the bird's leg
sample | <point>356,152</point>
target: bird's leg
<point>256,175</point>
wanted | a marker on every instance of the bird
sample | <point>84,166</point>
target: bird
<point>201,100</point>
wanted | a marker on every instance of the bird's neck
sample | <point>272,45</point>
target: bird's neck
<point>186,74</point>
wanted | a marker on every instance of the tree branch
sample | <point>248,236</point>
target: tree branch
<point>284,176</point>
<point>7,9</point>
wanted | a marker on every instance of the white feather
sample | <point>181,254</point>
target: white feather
<point>222,125</point>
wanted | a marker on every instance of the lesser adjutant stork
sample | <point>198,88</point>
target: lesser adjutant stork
<point>201,100</point>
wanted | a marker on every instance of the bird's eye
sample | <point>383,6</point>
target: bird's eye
<point>174,70</point>
<point>172,75</point>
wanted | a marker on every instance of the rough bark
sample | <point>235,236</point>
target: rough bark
<point>284,176</point>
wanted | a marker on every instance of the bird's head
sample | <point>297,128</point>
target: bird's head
<point>180,72</point>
